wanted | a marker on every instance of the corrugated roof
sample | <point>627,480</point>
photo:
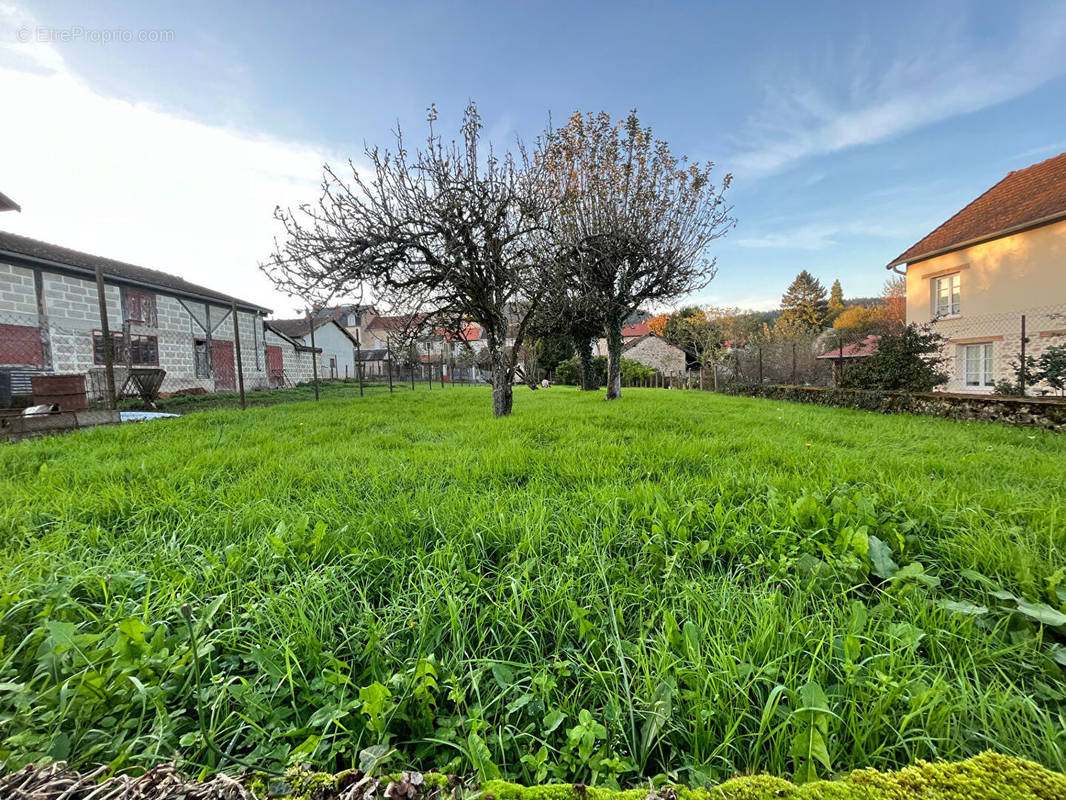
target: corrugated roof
<point>14,245</point>
<point>1025,198</point>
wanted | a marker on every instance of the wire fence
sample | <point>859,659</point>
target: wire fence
<point>984,351</point>
<point>75,342</point>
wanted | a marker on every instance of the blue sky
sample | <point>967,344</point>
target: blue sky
<point>852,129</point>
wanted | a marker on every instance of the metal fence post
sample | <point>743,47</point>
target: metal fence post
<point>1021,373</point>
<point>237,346</point>
<point>414,353</point>
<point>109,346</point>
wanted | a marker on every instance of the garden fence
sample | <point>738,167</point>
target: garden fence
<point>980,352</point>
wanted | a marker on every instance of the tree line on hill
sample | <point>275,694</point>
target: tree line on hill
<point>566,237</point>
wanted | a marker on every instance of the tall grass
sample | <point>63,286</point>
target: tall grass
<point>676,584</point>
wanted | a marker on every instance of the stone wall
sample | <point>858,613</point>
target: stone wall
<point>657,353</point>
<point>1043,412</point>
<point>71,313</point>
<point>296,363</point>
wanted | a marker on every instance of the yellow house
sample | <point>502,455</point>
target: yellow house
<point>992,271</point>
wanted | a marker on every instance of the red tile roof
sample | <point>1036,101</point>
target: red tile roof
<point>1025,198</point>
<point>471,333</point>
<point>637,329</point>
<point>867,347</point>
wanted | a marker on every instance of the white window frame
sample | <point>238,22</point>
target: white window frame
<point>978,362</point>
<point>952,297</point>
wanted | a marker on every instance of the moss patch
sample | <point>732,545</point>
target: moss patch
<point>989,776</point>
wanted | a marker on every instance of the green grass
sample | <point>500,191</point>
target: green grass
<point>678,583</point>
<point>328,390</point>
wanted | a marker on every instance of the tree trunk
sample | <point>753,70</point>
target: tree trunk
<point>614,359</point>
<point>586,372</point>
<point>502,390</point>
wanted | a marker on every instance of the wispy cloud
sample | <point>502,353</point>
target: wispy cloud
<point>823,235</point>
<point>1045,151</point>
<point>136,183</point>
<point>861,98</point>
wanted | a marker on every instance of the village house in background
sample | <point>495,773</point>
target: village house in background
<point>999,260</point>
<point>630,333</point>
<point>641,344</point>
<point>652,350</point>
<point>335,343</point>
<point>50,324</point>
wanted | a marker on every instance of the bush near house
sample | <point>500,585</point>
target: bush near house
<point>907,361</point>
<point>681,585</point>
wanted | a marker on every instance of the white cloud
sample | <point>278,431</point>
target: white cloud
<point>1045,151</point>
<point>135,183</point>
<point>821,236</point>
<point>862,98</point>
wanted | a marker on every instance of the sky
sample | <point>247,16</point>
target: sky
<point>166,134</point>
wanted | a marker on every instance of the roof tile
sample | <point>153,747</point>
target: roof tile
<point>1022,197</point>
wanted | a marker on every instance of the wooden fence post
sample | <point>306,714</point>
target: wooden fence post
<point>109,346</point>
<point>314,355</point>
<point>237,347</point>
<point>359,365</point>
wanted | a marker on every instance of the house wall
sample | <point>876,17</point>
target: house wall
<point>296,363</point>
<point>71,314</point>
<point>334,344</point>
<point>657,353</point>
<point>998,282</point>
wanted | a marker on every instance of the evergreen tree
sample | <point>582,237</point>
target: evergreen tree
<point>836,300</point>
<point>804,305</point>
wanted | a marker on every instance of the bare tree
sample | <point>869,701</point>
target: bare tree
<point>449,231</point>
<point>634,221</point>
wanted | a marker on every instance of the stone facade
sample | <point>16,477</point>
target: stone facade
<point>653,351</point>
<point>297,364</point>
<point>156,329</point>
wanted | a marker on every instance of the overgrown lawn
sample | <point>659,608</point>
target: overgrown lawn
<point>677,583</point>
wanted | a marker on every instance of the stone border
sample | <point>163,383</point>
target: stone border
<point>1042,412</point>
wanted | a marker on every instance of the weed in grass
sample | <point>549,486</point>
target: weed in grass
<point>673,585</point>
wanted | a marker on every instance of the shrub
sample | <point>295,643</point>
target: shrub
<point>908,361</point>
<point>633,372</point>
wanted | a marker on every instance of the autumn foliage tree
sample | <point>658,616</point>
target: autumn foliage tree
<point>632,220</point>
<point>657,324</point>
